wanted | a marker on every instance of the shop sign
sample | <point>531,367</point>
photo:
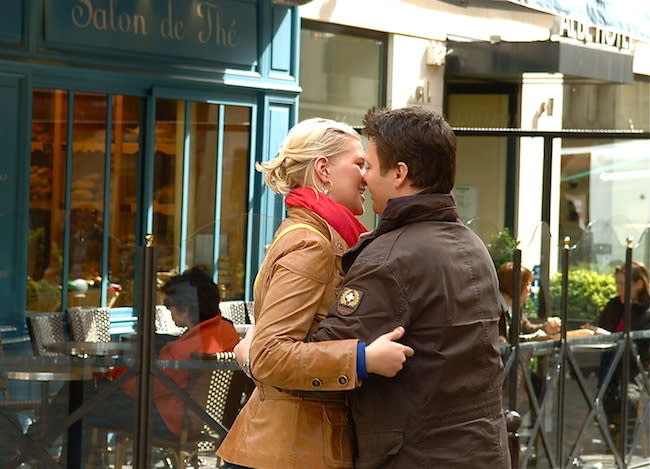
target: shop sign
<point>215,30</point>
<point>582,32</point>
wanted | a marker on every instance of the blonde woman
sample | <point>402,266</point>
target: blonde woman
<point>296,417</point>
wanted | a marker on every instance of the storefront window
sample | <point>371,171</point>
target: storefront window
<point>341,72</point>
<point>482,188</point>
<point>47,199</point>
<point>199,214</point>
<point>604,197</point>
<point>168,181</point>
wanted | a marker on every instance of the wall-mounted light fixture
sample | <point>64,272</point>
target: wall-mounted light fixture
<point>436,54</point>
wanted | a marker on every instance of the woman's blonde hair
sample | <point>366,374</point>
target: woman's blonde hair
<point>306,141</point>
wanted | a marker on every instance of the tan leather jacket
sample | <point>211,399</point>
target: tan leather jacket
<point>280,429</point>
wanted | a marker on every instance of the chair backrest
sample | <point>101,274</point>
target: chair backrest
<point>250,309</point>
<point>164,324</point>
<point>44,329</point>
<point>90,324</point>
<point>223,392</point>
<point>236,311</point>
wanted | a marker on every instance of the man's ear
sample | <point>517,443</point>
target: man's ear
<point>401,175</point>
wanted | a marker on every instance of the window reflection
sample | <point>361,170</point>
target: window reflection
<point>193,223</point>
<point>86,199</point>
<point>46,199</point>
<point>125,150</point>
<point>201,188</point>
<point>168,167</point>
<point>234,205</point>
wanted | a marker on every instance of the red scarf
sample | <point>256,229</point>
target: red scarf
<point>337,215</point>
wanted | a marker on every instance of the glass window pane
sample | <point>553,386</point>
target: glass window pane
<point>341,74</point>
<point>234,202</point>
<point>604,199</point>
<point>125,153</point>
<point>481,162</point>
<point>86,198</point>
<point>202,183</point>
<point>167,184</point>
<point>46,199</point>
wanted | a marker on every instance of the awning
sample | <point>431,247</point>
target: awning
<point>630,17</point>
<point>483,59</point>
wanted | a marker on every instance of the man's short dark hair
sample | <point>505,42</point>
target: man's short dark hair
<point>194,290</point>
<point>421,139</point>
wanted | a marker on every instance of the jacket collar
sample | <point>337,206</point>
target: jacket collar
<point>304,215</point>
<point>416,208</point>
<point>403,211</point>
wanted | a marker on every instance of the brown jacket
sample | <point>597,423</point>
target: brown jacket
<point>423,269</point>
<point>295,287</point>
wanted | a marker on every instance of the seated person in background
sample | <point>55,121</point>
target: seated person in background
<point>193,300</point>
<point>612,318</point>
<point>504,273</point>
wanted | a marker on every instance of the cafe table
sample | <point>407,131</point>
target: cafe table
<point>72,370</point>
<point>92,349</point>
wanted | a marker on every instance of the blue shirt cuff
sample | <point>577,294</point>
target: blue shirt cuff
<point>362,371</point>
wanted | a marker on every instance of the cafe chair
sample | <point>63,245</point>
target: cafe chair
<point>250,309</point>
<point>235,311</point>
<point>164,324</point>
<point>45,329</point>
<point>89,324</point>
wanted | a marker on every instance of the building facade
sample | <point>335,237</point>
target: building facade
<point>536,65</point>
<point>127,118</point>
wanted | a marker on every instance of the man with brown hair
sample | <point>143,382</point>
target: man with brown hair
<point>424,270</point>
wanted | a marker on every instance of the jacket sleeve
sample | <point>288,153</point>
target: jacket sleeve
<point>609,316</point>
<point>370,303</point>
<point>279,354</point>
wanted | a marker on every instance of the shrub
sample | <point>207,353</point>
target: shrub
<point>589,292</point>
<point>501,247</point>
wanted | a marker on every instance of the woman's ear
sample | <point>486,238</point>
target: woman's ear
<point>321,170</point>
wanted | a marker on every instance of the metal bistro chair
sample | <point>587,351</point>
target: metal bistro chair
<point>90,324</point>
<point>44,329</point>
<point>221,393</point>
<point>164,324</point>
<point>236,311</point>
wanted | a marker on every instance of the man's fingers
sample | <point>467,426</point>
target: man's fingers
<point>408,351</point>
<point>395,334</point>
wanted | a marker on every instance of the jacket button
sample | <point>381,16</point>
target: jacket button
<point>343,380</point>
<point>316,382</point>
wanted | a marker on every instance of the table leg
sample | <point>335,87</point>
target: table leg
<point>74,444</point>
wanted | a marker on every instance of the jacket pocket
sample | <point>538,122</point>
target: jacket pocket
<point>375,449</point>
<point>337,438</point>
